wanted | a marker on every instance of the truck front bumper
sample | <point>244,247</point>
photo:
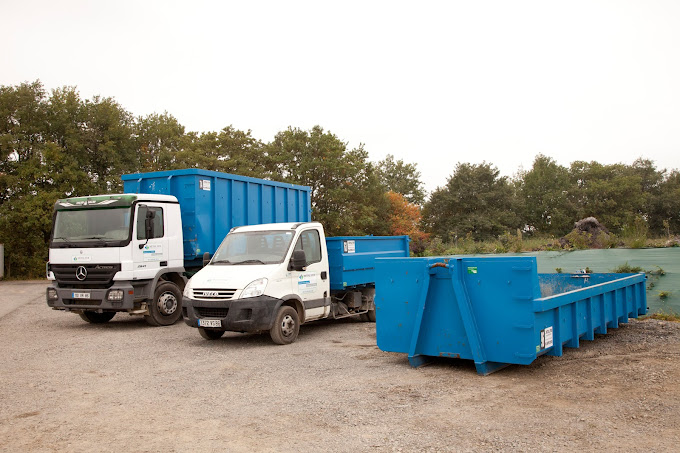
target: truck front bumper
<point>254,314</point>
<point>87,299</point>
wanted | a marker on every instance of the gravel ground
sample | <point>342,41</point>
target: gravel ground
<point>125,386</point>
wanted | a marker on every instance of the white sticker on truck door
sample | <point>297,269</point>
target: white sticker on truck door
<point>306,283</point>
<point>153,252</point>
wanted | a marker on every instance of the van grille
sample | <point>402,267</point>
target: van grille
<point>211,312</point>
<point>213,294</point>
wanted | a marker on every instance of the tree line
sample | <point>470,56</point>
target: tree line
<point>55,145</point>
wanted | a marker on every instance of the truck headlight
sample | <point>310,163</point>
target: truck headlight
<point>254,288</point>
<point>52,294</point>
<point>115,294</point>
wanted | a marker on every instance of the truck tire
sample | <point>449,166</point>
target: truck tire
<point>286,326</point>
<point>210,334</point>
<point>97,318</point>
<point>166,307</point>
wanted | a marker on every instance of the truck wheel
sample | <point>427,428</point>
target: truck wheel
<point>286,326</point>
<point>166,307</point>
<point>210,334</point>
<point>97,318</point>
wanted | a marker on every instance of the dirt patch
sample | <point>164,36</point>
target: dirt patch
<point>125,386</point>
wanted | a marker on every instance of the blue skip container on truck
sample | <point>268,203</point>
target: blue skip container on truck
<point>496,311</point>
<point>275,277</point>
<point>132,252</point>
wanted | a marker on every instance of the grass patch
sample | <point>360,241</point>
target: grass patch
<point>661,316</point>
<point>627,269</point>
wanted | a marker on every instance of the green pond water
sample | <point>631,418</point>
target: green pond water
<point>607,260</point>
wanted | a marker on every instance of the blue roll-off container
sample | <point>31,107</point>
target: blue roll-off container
<point>351,259</point>
<point>212,203</point>
<point>496,311</point>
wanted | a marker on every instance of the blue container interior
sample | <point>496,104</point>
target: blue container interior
<point>212,203</point>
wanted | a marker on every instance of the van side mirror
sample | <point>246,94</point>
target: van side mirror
<point>298,261</point>
<point>206,258</point>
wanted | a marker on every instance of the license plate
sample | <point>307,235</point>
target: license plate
<point>81,295</point>
<point>209,323</point>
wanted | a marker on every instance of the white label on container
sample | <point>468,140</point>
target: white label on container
<point>547,337</point>
<point>350,247</point>
<point>204,184</point>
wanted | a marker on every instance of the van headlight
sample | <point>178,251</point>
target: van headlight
<point>254,288</point>
<point>187,290</point>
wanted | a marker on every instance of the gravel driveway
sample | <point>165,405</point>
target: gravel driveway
<point>125,386</point>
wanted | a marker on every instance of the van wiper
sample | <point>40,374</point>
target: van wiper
<point>220,262</point>
<point>67,242</point>
<point>250,262</point>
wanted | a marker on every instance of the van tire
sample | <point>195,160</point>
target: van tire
<point>370,315</point>
<point>286,326</point>
<point>166,307</point>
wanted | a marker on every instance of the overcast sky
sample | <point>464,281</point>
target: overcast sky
<point>433,83</point>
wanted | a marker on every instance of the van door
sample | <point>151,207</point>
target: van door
<point>312,284</point>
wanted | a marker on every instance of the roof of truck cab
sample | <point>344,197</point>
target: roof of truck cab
<point>275,226</point>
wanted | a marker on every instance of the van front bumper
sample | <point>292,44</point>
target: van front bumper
<point>254,314</point>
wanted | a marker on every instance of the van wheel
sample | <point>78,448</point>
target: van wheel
<point>166,307</point>
<point>97,318</point>
<point>210,334</point>
<point>286,326</point>
<point>370,315</point>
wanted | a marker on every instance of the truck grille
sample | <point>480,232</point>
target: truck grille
<point>213,294</point>
<point>95,275</point>
<point>211,312</point>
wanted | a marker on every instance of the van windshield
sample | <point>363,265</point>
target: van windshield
<point>253,247</point>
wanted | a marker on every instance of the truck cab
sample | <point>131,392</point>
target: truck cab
<point>274,277</point>
<point>117,253</point>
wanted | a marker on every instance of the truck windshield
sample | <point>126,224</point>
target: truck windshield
<point>253,247</point>
<point>91,225</point>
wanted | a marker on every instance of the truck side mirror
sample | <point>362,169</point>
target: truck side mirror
<point>298,261</point>
<point>148,223</point>
<point>206,258</point>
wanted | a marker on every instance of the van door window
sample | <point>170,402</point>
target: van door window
<point>310,242</point>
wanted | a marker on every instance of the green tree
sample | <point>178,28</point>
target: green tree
<point>665,205</point>
<point>544,191</point>
<point>108,144</point>
<point>347,197</point>
<point>230,150</point>
<point>401,178</point>
<point>611,193</point>
<point>476,201</point>
<point>158,139</point>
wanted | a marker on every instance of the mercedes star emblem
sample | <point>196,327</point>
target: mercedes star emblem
<point>81,273</point>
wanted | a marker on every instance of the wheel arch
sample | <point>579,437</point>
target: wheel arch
<point>294,301</point>
<point>171,275</point>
